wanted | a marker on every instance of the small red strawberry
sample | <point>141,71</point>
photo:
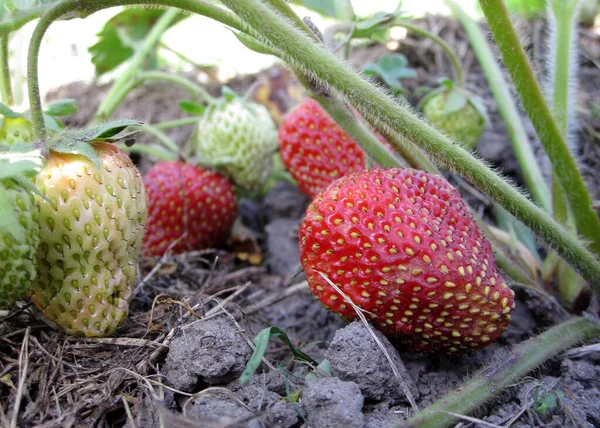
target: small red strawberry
<point>185,198</point>
<point>403,246</point>
<point>315,149</point>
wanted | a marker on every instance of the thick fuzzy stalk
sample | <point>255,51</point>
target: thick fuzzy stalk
<point>548,130</point>
<point>5,87</point>
<point>385,114</point>
<point>514,125</point>
<point>488,382</point>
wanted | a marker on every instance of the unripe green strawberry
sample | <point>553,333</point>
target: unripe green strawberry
<point>457,114</point>
<point>17,250</point>
<point>239,137</point>
<point>18,130</point>
<point>90,237</point>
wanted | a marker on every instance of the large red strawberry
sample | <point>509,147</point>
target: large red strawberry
<point>315,149</point>
<point>189,207</point>
<point>403,246</point>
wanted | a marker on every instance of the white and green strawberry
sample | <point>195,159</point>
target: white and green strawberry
<point>18,241</point>
<point>91,230</point>
<point>456,112</point>
<point>239,137</point>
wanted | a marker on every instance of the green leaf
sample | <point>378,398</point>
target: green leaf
<point>546,403</point>
<point>192,107</point>
<point>323,7</point>
<point>121,35</point>
<point>366,25</point>
<point>261,341</point>
<point>53,124</point>
<point>323,367</point>
<point>9,219</point>
<point>390,69</point>
<point>455,101</point>
<point>20,159</point>
<point>8,112</point>
<point>252,43</point>
<point>62,108</point>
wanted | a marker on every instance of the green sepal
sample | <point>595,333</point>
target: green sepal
<point>9,220</point>
<point>252,43</point>
<point>229,94</point>
<point>80,141</point>
<point>20,159</point>
<point>455,100</point>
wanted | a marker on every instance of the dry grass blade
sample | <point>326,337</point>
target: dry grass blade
<point>474,420</point>
<point>23,364</point>
<point>362,317</point>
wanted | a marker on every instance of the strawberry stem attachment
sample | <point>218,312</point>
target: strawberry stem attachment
<point>385,114</point>
<point>5,88</point>
<point>456,65</point>
<point>487,383</point>
<point>548,130</point>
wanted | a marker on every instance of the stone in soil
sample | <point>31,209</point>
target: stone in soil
<point>221,412</point>
<point>284,200</point>
<point>355,356</point>
<point>210,351</point>
<point>332,403</point>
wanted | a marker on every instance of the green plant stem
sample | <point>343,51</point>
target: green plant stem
<point>514,125</point>
<point>385,114</point>
<point>176,123</point>
<point>87,7</point>
<point>5,87</point>
<point>21,18</point>
<point>194,89</point>
<point>115,95</point>
<point>163,138</point>
<point>515,59</point>
<point>201,67</point>
<point>487,383</point>
<point>456,65</point>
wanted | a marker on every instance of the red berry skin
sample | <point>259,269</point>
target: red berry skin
<point>315,149</point>
<point>402,245</point>
<point>179,193</point>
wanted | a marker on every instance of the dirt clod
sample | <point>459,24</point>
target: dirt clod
<point>332,403</point>
<point>211,351</point>
<point>355,357</point>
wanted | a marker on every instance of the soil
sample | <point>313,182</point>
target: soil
<point>178,359</point>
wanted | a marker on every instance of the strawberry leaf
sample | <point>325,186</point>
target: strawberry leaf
<point>62,108</point>
<point>8,112</point>
<point>192,107</point>
<point>121,35</point>
<point>323,7</point>
<point>390,69</point>
<point>109,132</point>
<point>9,219</point>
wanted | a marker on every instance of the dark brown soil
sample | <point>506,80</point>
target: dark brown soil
<point>177,360</point>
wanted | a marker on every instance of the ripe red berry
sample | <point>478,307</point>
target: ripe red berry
<point>403,246</point>
<point>187,199</point>
<point>315,149</point>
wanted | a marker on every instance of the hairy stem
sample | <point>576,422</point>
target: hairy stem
<point>5,87</point>
<point>385,114</point>
<point>456,66</point>
<point>487,383</point>
<point>514,125</point>
<point>550,134</point>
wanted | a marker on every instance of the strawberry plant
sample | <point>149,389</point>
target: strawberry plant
<point>396,244</point>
